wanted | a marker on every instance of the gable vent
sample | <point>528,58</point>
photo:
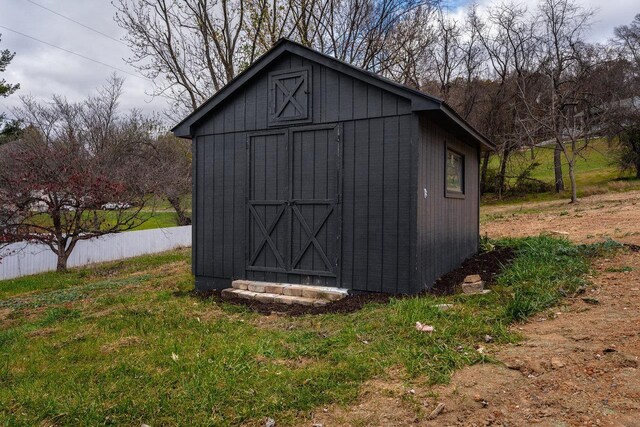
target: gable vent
<point>289,96</point>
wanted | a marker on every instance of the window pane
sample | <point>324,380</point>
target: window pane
<point>454,172</point>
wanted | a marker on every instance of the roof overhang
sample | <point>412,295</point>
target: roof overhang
<point>419,101</point>
<point>449,114</point>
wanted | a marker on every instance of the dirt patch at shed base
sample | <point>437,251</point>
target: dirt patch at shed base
<point>487,264</point>
<point>348,304</point>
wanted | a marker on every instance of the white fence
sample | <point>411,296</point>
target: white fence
<point>22,259</point>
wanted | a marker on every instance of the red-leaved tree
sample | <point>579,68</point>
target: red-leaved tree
<point>74,173</point>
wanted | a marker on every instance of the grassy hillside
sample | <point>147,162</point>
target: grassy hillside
<point>596,172</point>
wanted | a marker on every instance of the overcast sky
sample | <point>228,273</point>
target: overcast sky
<point>43,70</point>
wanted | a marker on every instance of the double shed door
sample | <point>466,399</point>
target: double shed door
<point>293,203</point>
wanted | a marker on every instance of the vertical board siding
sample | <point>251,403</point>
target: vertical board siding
<point>405,212</point>
<point>209,240</point>
<point>389,104</point>
<point>194,199</point>
<point>316,87</point>
<point>262,101</point>
<point>447,228</point>
<point>250,108</point>
<point>331,91</point>
<point>360,202</point>
<point>239,205</point>
<point>375,204</point>
<point>217,195</point>
<point>348,208</point>
<point>360,100</point>
<point>336,97</point>
<point>228,189</point>
<point>374,245</point>
<point>374,101</point>
<point>390,205</point>
<point>346,97</point>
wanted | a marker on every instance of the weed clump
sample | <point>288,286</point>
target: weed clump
<point>545,270</point>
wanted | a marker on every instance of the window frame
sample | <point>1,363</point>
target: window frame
<point>453,194</point>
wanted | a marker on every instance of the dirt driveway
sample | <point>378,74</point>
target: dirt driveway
<point>578,363</point>
<point>595,218</point>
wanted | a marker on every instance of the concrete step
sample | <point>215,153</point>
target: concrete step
<point>289,289</point>
<point>268,297</point>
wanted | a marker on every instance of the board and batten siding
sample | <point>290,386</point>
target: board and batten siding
<point>447,228</point>
<point>376,204</point>
<point>375,130</point>
<point>336,97</point>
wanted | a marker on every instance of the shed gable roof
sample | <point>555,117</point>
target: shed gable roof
<point>419,100</point>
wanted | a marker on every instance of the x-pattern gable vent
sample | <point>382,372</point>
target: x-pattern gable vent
<point>290,97</point>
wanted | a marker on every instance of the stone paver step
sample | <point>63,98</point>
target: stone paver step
<point>289,289</point>
<point>268,297</point>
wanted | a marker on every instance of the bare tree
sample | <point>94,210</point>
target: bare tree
<point>508,41</point>
<point>473,64</point>
<point>72,175</point>
<point>169,160</point>
<point>564,60</point>
<point>190,49</point>
<point>446,54</point>
<point>517,29</point>
<point>413,36</point>
<point>266,21</point>
<point>628,38</point>
<point>564,24</point>
<point>360,31</point>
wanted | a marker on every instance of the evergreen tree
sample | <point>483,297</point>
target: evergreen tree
<point>8,128</point>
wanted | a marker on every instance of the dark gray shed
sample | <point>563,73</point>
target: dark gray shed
<point>309,170</point>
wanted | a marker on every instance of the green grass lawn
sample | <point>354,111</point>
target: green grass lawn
<point>125,343</point>
<point>158,220</point>
<point>596,172</point>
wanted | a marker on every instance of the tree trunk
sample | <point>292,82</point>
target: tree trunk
<point>574,190</point>
<point>483,172</point>
<point>635,147</point>
<point>183,218</point>
<point>61,267</point>
<point>64,248</point>
<point>502,174</point>
<point>557,166</point>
